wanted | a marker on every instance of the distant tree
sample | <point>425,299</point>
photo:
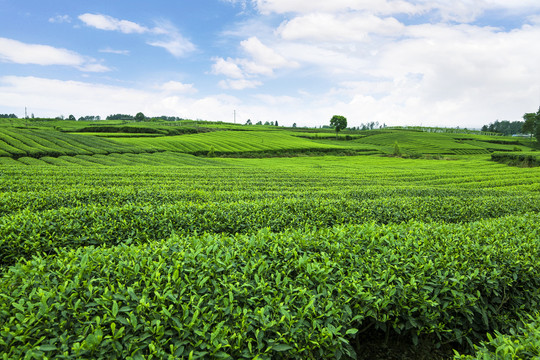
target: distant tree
<point>259,123</point>
<point>248,122</point>
<point>8,116</point>
<point>140,117</point>
<point>71,117</point>
<point>276,123</point>
<point>506,127</point>
<point>294,125</point>
<point>339,123</point>
<point>266,123</point>
<point>485,128</point>
<point>120,117</point>
<point>531,123</point>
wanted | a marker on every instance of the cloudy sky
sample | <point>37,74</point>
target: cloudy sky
<point>400,62</point>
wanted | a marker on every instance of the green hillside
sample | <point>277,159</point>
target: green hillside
<point>94,142</point>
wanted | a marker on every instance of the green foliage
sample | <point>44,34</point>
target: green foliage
<point>270,258</point>
<point>338,122</point>
<point>140,117</point>
<point>529,126</point>
<point>397,150</point>
<point>505,127</point>
<point>523,343</point>
<point>303,293</point>
<point>37,143</point>
<point>120,117</point>
<point>517,158</point>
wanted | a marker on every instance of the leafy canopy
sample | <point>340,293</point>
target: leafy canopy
<point>532,124</point>
<point>338,122</point>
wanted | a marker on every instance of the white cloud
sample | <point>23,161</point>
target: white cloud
<point>60,19</point>
<point>338,27</point>
<point>173,41</point>
<point>458,10</point>
<point>21,53</point>
<point>113,51</point>
<point>276,100</point>
<point>177,46</point>
<point>177,87</point>
<point>239,84</point>
<point>261,61</point>
<point>264,55</point>
<point>226,67</point>
<point>51,97</point>
<point>105,22</point>
<point>310,6</point>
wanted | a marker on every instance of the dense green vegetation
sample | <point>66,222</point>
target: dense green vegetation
<point>178,246</point>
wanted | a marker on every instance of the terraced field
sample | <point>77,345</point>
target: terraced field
<point>139,249</point>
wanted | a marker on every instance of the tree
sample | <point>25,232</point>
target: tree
<point>120,117</point>
<point>505,127</point>
<point>294,125</point>
<point>140,117</point>
<point>339,123</point>
<point>530,124</point>
<point>71,117</point>
<point>248,122</point>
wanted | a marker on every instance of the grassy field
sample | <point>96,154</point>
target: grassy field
<point>246,242</point>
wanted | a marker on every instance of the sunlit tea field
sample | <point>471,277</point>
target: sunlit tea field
<point>135,248</point>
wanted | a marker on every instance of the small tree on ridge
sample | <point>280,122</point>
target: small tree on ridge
<point>339,123</point>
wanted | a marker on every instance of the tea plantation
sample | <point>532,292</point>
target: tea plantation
<point>219,241</point>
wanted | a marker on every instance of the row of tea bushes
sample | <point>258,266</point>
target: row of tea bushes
<point>522,343</point>
<point>67,195</point>
<point>529,159</point>
<point>299,294</point>
<point>28,232</point>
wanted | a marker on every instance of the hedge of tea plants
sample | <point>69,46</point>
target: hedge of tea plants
<point>278,258</point>
<point>297,294</point>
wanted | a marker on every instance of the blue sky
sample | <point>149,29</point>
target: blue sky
<point>399,62</point>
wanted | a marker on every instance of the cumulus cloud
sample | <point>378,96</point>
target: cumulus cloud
<point>22,53</point>
<point>227,67</point>
<point>264,55</point>
<point>338,27</point>
<point>52,97</point>
<point>177,87</point>
<point>243,72</point>
<point>437,65</point>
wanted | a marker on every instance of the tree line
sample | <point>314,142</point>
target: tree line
<point>530,126</point>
